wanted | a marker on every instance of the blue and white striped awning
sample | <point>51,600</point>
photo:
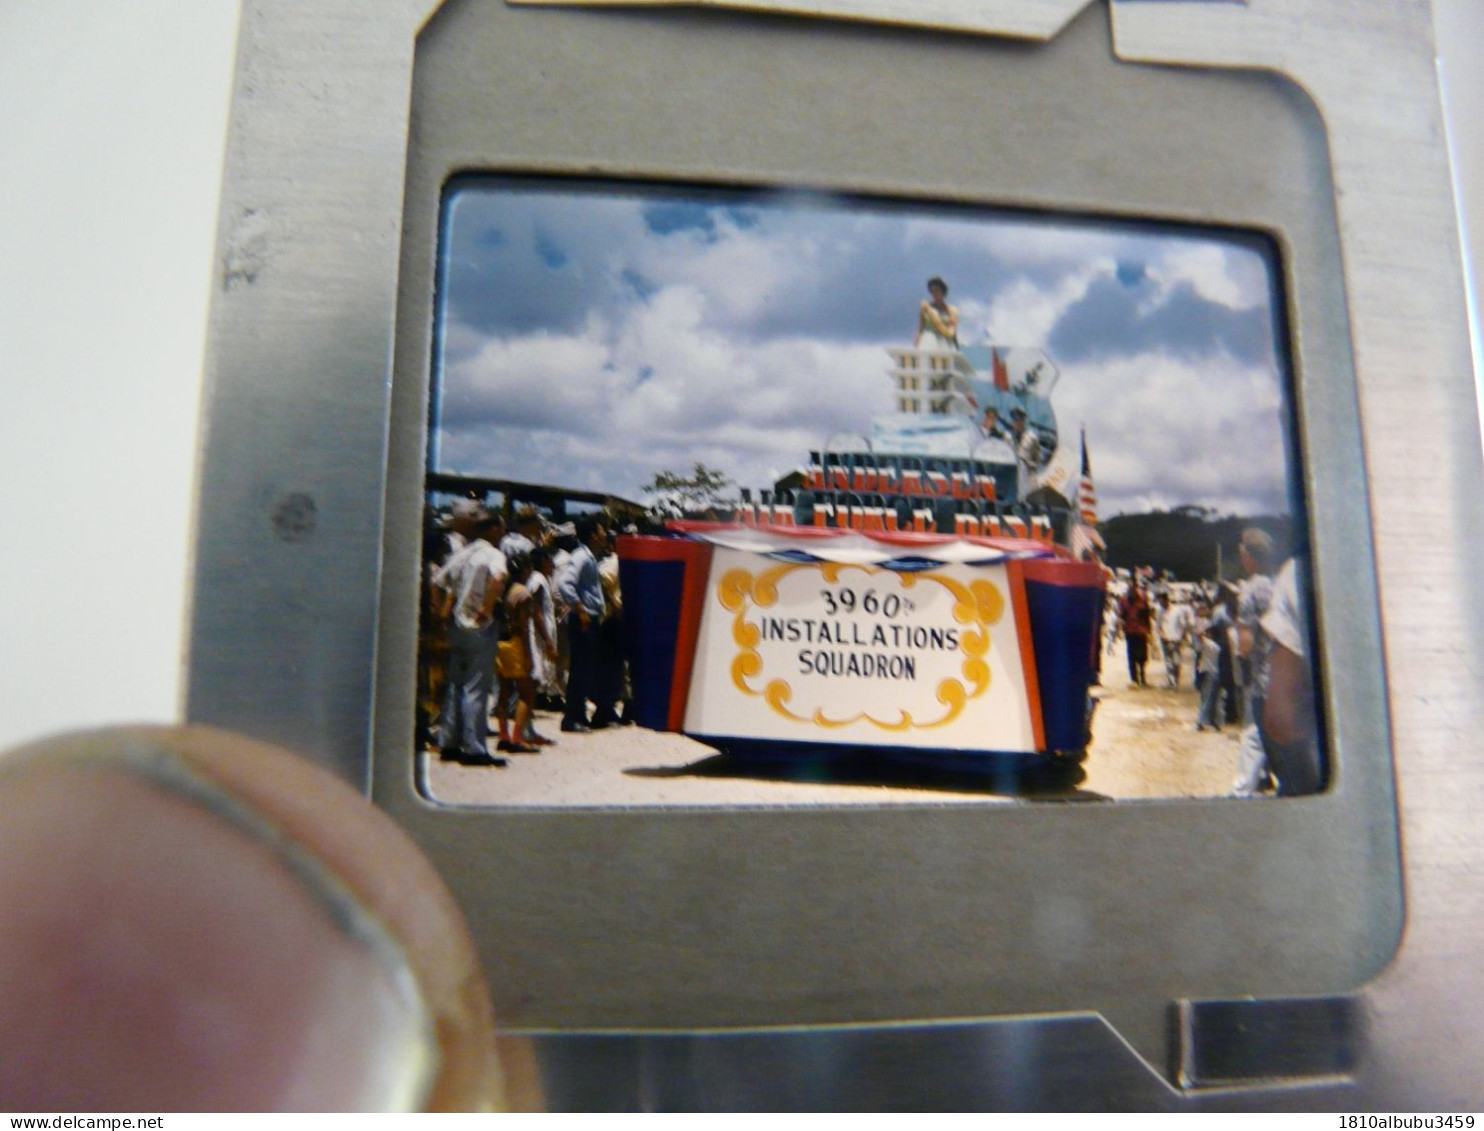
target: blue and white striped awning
<point>895,550</point>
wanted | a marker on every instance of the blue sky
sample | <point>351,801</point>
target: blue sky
<point>590,337</point>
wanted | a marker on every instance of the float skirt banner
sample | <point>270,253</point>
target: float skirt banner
<point>663,582</point>
<point>1065,600</point>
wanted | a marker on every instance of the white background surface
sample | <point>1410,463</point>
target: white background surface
<point>112,125</point>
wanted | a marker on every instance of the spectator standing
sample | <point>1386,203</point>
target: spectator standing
<point>443,537</point>
<point>1207,666</point>
<point>1254,595</point>
<point>468,589</point>
<point>581,587</point>
<point>1174,628</point>
<point>514,662</point>
<point>1223,631</point>
<point>1135,617</point>
<point>563,541</point>
<point>526,536</point>
<point>608,689</point>
<point>1289,729</point>
<point>543,632</point>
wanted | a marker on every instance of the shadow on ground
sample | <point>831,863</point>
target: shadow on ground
<point>1027,778</point>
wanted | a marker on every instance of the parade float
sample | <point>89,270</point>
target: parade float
<point>913,592</point>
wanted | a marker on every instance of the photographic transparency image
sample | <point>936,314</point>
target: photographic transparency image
<point>771,498</point>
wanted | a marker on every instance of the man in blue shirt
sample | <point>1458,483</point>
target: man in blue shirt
<point>581,588</point>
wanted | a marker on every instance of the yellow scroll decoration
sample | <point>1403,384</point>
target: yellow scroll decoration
<point>977,605</point>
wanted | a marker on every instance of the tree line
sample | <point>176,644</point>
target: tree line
<point>1185,541</point>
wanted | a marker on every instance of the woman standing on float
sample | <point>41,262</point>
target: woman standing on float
<point>937,322</point>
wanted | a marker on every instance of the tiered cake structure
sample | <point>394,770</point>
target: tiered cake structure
<point>945,461</point>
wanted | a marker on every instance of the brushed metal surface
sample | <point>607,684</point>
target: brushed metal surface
<point>1031,19</point>
<point>1066,1063</point>
<point>1404,277</point>
<point>810,915</point>
<point>285,637</point>
<point>288,527</point>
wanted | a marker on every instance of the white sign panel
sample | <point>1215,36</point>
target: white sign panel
<point>861,655</point>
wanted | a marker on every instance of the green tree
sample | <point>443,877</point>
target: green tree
<point>1185,541</point>
<point>685,496</point>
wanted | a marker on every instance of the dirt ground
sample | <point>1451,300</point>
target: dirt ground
<point>1144,746</point>
<point>1144,741</point>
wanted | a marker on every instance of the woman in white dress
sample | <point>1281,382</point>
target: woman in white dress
<point>937,322</point>
<point>542,627</point>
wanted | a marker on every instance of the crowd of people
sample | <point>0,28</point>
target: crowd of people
<point>1248,643</point>
<point>515,619</point>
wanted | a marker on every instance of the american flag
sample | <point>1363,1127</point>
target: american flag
<point>1087,494</point>
<point>1085,539</point>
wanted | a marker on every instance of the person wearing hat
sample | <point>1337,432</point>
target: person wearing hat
<point>468,589</point>
<point>581,589</point>
<point>1027,449</point>
<point>444,535</point>
<point>527,533</point>
<point>455,526</point>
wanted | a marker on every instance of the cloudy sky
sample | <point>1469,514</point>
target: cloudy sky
<point>591,337</point>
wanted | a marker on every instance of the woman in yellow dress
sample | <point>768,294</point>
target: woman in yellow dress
<point>937,322</point>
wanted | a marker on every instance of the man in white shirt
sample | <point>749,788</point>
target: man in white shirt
<point>1027,451</point>
<point>1256,553</point>
<point>1289,729</point>
<point>468,590</point>
<point>581,588</point>
<point>1174,627</point>
<point>526,536</point>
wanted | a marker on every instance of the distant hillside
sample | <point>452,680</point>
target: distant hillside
<point>1184,541</point>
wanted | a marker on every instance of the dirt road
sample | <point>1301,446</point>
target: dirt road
<point>1144,741</point>
<point>1144,746</point>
